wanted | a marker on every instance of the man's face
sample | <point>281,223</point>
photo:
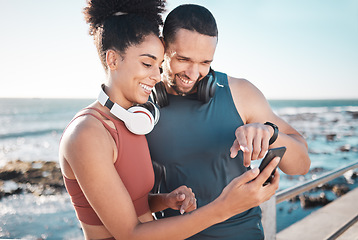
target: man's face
<point>187,61</point>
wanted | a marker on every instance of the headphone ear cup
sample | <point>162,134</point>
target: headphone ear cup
<point>201,89</point>
<point>141,122</point>
<point>206,88</point>
<point>152,109</point>
<point>212,86</point>
<point>160,96</point>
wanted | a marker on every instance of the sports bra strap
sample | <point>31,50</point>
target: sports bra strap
<point>112,131</point>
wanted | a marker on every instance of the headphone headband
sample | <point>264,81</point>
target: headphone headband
<point>114,108</point>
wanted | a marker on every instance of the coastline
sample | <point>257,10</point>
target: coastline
<point>43,179</point>
<point>32,189</point>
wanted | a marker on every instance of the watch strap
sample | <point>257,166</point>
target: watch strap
<point>275,132</point>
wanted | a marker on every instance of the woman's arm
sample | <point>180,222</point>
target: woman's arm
<point>90,152</point>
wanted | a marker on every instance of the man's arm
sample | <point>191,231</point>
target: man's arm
<point>253,137</point>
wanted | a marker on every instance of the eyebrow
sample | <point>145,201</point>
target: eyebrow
<point>148,55</point>
<point>187,58</point>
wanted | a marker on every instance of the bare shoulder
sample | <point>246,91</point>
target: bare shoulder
<point>84,140</point>
<point>248,99</point>
<point>243,87</point>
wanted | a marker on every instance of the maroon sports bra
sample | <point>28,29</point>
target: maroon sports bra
<point>133,165</point>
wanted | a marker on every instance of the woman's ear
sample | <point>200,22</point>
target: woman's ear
<point>112,59</point>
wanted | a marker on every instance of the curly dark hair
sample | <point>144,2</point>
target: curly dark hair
<point>140,18</point>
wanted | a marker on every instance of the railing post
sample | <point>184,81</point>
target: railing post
<point>269,218</point>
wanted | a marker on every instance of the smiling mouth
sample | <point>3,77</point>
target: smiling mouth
<point>146,88</point>
<point>185,81</point>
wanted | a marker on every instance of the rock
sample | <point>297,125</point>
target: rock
<point>38,177</point>
<point>8,175</point>
<point>354,114</point>
<point>331,137</point>
<point>313,201</point>
<point>345,148</point>
<point>340,190</point>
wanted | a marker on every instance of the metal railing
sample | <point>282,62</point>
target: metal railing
<point>269,207</point>
<point>295,190</point>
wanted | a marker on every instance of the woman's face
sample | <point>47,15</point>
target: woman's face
<point>138,71</point>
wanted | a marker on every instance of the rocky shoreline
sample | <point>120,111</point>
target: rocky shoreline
<point>37,177</point>
<point>45,178</point>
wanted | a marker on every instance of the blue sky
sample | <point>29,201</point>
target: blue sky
<point>297,49</point>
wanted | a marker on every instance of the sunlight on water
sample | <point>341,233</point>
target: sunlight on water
<point>30,217</point>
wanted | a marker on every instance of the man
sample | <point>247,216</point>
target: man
<point>204,144</point>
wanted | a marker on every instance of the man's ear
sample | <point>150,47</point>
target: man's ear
<point>112,59</point>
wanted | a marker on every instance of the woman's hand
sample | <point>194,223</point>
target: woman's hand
<point>247,191</point>
<point>182,199</point>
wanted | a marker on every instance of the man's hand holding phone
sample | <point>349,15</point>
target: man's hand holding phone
<point>270,155</point>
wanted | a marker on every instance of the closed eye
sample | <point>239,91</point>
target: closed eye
<point>147,65</point>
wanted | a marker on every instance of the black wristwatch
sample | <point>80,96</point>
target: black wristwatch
<point>275,132</point>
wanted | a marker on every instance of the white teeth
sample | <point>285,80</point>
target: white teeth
<point>146,87</point>
<point>185,81</point>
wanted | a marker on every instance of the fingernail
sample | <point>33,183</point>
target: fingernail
<point>255,170</point>
<point>181,211</point>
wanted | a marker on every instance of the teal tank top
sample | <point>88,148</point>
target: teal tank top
<point>192,140</point>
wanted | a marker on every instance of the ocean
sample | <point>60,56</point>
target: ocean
<point>30,130</point>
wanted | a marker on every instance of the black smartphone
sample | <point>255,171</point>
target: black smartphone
<point>271,154</point>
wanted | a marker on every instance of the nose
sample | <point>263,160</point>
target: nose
<point>193,72</point>
<point>156,75</point>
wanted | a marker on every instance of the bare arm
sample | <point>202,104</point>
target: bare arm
<point>253,137</point>
<point>91,162</point>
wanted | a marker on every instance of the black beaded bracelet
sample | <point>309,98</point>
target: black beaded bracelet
<point>275,132</point>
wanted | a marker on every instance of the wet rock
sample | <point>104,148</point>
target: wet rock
<point>345,148</point>
<point>313,201</point>
<point>8,175</point>
<point>38,177</point>
<point>331,137</point>
<point>294,199</point>
<point>340,190</point>
<point>354,114</point>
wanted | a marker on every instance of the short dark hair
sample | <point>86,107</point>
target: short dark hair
<point>118,24</point>
<point>190,17</point>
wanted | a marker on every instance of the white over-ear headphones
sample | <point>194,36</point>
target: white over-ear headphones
<point>138,119</point>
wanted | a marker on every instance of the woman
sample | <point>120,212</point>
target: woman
<point>106,167</point>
